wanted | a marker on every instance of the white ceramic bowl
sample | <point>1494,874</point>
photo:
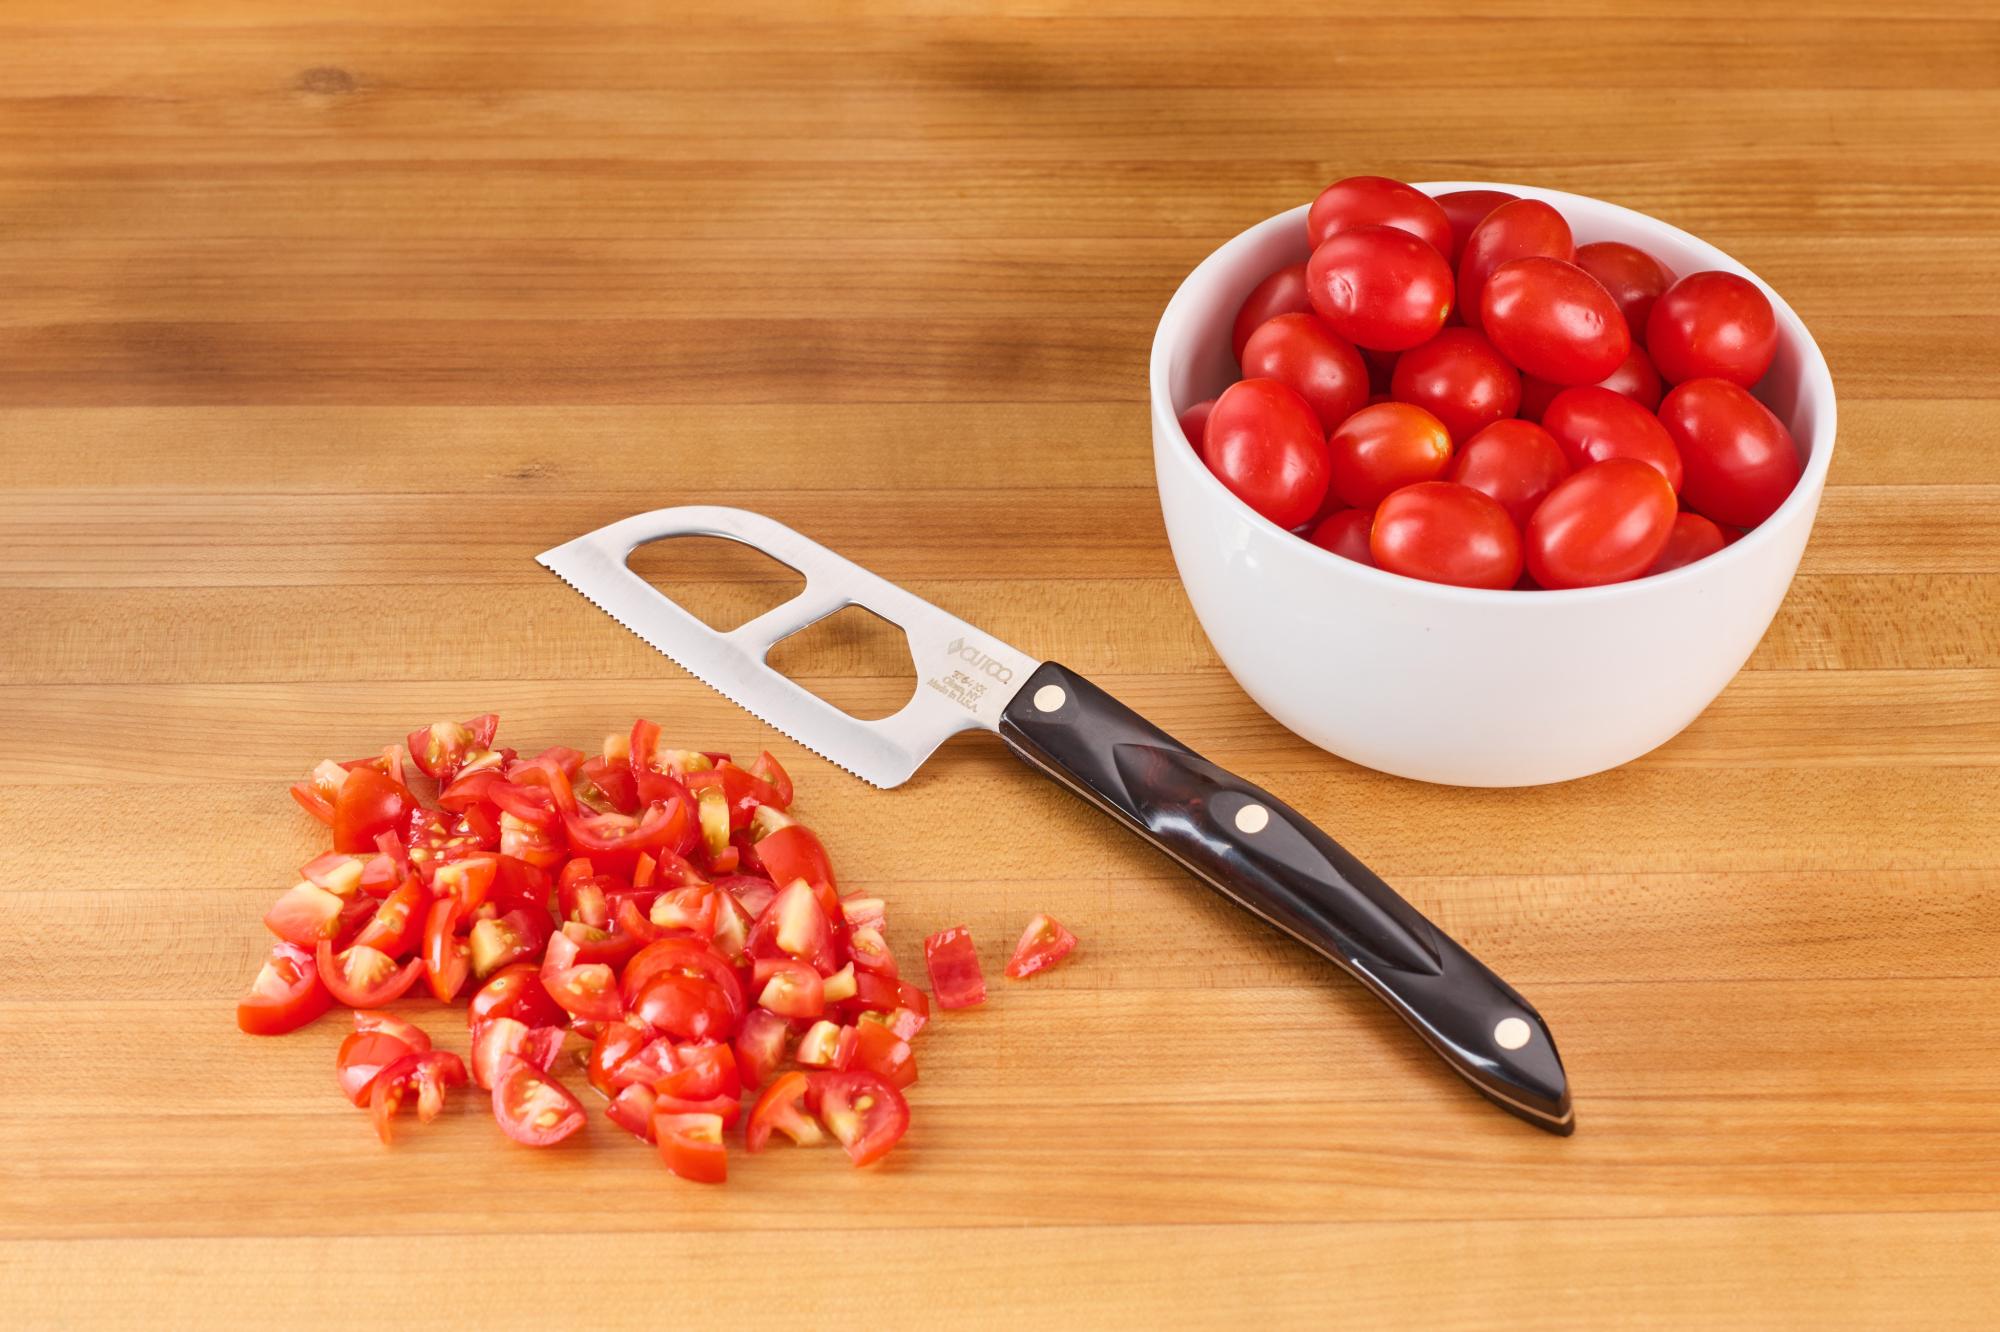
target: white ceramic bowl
<point>1460,685</point>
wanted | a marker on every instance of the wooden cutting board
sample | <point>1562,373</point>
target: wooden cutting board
<point>320,321</point>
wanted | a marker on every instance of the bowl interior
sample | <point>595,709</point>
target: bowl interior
<point>1192,359</point>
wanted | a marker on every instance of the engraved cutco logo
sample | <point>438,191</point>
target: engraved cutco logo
<point>980,661</point>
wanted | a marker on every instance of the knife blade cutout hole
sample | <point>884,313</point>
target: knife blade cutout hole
<point>854,659</point>
<point>722,583</point>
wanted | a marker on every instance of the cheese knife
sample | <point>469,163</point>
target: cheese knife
<point>1240,839</point>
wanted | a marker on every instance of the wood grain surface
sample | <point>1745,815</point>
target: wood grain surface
<point>318,321</point>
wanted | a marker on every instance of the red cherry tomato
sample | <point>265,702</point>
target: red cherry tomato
<point>1466,209</point>
<point>1380,287</point>
<point>1636,378</point>
<point>1693,538</point>
<point>1511,231</point>
<point>1283,292</point>
<point>1384,448</point>
<point>1443,532</point>
<point>1307,357</point>
<point>1265,444</point>
<point>1713,325</point>
<point>1634,278</point>
<point>1516,462</point>
<point>1740,460</point>
<point>1458,378</point>
<point>532,1107</point>
<point>1604,524</point>
<point>1553,320</point>
<point>1346,534</point>
<point>1195,419</point>
<point>1593,423</point>
<point>1377,201</point>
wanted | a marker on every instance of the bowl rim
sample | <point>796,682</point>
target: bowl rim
<point>1816,384</point>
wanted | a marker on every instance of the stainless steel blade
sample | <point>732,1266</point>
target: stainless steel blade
<point>964,677</point>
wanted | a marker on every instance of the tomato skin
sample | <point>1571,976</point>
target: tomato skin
<point>1636,378</point>
<point>1346,535</point>
<point>688,957</point>
<point>953,964</point>
<point>304,914</point>
<point>1458,378</point>
<point>1552,319</point>
<point>1514,230</point>
<point>794,852</point>
<point>1604,524</point>
<point>1265,444</point>
<point>1283,292</point>
<point>1693,538</point>
<point>398,924</point>
<point>285,995</point>
<point>1466,209</point>
<point>533,1108</point>
<point>1043,944</point>
<point>1741,461</point>
<point>1195,420</point>
<point>496,1041</point>
<point>1593,423</point>
<point>369,804</point>
<point>686,1008</point>
<point>1364,201</point>
<point>1443,532</point>
<point>1713,325</point>
<point>1634,278</point>
<point>1303,354</point>
<point>760,1046</point>
<point>880,1051</point>
<point>1515,462</point>
<point>1380,287</point>
<point>1385,447</point>
<point>790,989</point>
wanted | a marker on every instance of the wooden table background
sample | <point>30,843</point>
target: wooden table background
<point>317,322</point>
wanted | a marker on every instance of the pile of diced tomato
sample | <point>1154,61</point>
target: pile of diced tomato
<point>654,918</point>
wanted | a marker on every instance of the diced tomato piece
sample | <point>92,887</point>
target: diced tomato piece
<point>691,1146</point>
<point>792,852</point>
<point>517,886</point>
<point>1043,944</point>
<point>337,872</point>
<point>529,843</point>
<point>607,787</point>
<point>632,1110</point>
<point>655,1060</point>
<point>863,1111</point>
<point>686,1007</point>
<point>385,1095</point>
<point>794,925</point>
<point>769,770</point>
<point>910,997</point>
<point>954,966</point>
<point>437,1070</point>
<point>364,977</point>
<point>882,1052</point>
<point>409,1033</point>
<point>447,958</point>
<point>728,1108</point>
<point>702,1071</point>
<point>906,1023</point>
<point>496,1040</point>
<point>862,912</point>
<point>760,1046</point>
<point>732,928</point>
<point>631,921</point>
<point>614,948</point>
<point>751,893</point>
<point>871,951</point>
<point>826,1045</point>
<point>286,994</point>
<point>305,914</point>
<point>790,989</point>
<point>369,803</point>
<point>429,1073</point>
<point>398,924</point>
<point>519,935</point>
<point>586,990</point>
<point>381,874</point>
<point>361,1059</point>
<point>872,991</point>
<point>782,1109</point>
<point>691,909</point>
<point>839,987</point>
<point>312,802</point>
<point>532,1107</point>
<point>515,992</point>
<point>616,1044</point>
<point>713,808</point>
<point>688,957</point>
<point>444,749</point>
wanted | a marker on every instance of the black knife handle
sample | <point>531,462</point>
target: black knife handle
<point>1273,862</point>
